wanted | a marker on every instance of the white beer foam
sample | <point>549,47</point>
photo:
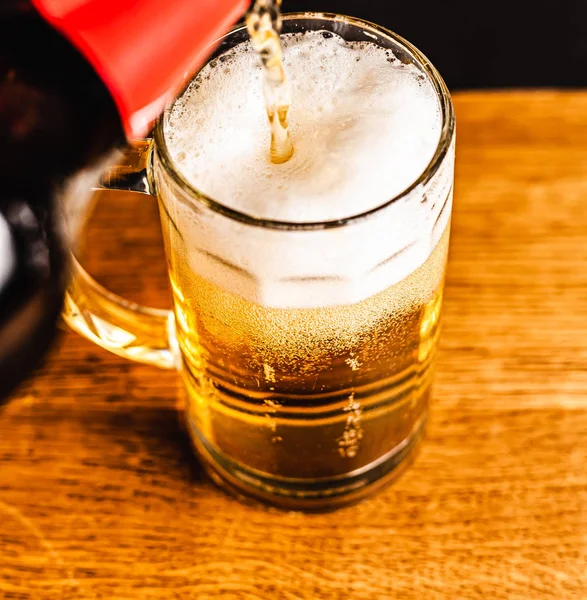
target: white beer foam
<point>364,127</point>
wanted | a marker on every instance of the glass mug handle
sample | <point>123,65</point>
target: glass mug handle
<point>136,332</point>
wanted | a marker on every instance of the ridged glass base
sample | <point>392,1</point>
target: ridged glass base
<point>307,494</point>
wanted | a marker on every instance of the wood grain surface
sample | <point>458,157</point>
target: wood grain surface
<point>100,496</point>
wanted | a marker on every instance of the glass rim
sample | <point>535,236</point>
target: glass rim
<point>442,147</point>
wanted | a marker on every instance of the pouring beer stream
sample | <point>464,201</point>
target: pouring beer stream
<point>264,26</point>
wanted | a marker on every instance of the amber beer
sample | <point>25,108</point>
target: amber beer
<point>308,294</point>
<point>309,393</point>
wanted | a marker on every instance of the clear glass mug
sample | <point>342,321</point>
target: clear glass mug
<point>312,405</point>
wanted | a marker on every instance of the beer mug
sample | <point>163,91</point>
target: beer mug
<point>306,348</point>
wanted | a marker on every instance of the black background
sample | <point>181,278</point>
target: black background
<point>484,44</point>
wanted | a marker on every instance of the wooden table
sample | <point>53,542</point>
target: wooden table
<point>100,496</point>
